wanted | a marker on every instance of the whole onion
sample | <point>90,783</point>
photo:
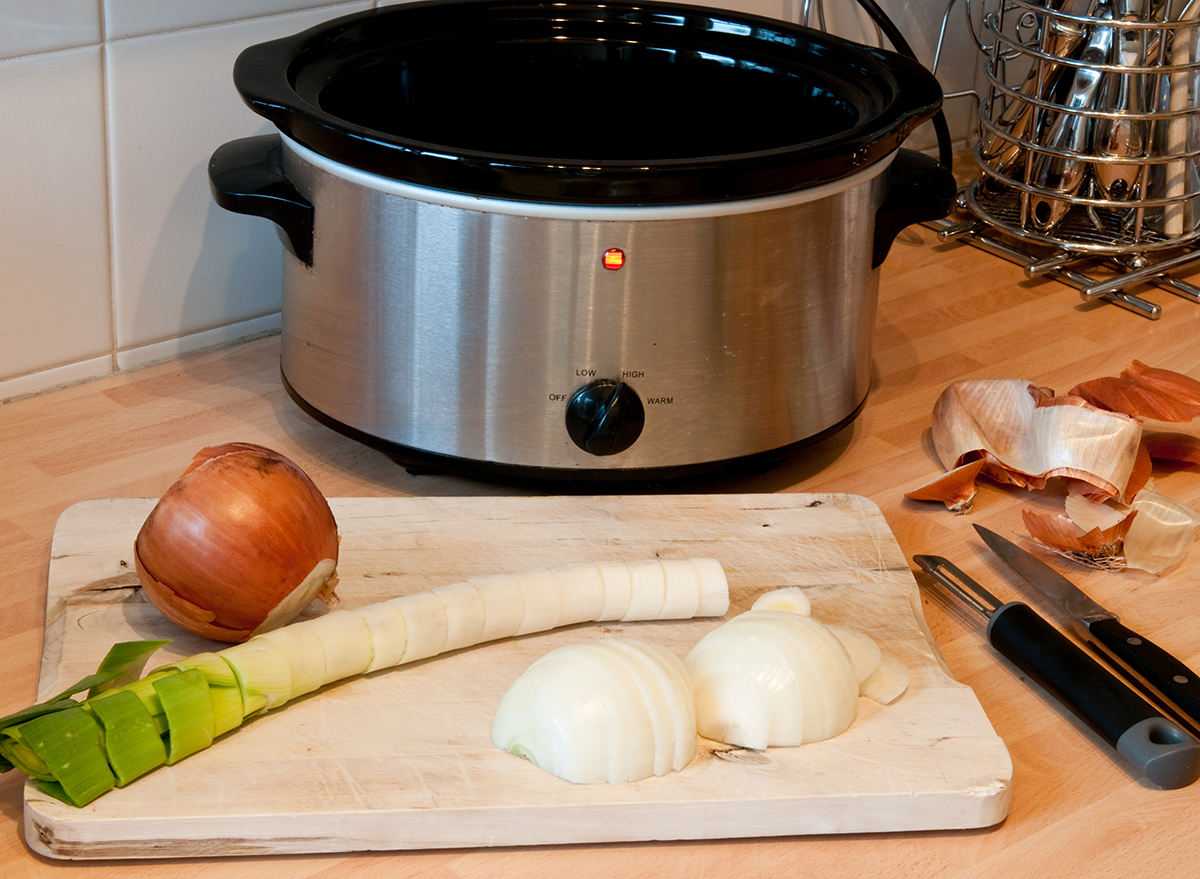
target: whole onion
<point>240,544</point>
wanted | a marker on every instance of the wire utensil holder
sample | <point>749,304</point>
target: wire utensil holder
<point>1089,141</point>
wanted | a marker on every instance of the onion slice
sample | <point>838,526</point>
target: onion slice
<point>789,598</point>
<point>771,678</point>
<point>609,711</point>
<point>888,682</point>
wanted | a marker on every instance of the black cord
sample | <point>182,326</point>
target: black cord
<point>885,24</point>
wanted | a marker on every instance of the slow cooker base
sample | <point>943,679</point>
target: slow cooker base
<point>419,461</point>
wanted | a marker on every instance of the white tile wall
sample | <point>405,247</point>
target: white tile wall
<point>112,252</point>
<point>182,265</point>
<point>29,26</point>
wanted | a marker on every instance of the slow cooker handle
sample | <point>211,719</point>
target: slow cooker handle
<point>246,176</point>
<point>919,188</point>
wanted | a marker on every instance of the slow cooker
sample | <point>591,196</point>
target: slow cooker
<point>580,241</point>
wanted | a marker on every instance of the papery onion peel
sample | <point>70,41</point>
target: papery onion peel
<point>1026,436</point>
<point>1161,534</point>
<point>1058,532</point>
<point>1145,392</point>
<point>1094,439</point>
<point>241,543</point>
<point>1182,448</point>
<point>955,488</point>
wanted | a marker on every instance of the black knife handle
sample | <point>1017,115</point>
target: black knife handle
<point>1164,753</point>
<point>1158,668</point>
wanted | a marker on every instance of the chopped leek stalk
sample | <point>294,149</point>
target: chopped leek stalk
<point>648,590</point>
<point>580,593</point>
<point>70,745</point>
<point>541,601</point>
<point>465,614</point>
<point>216,670</point>
<point>305,656</point>
<point>680,598</point>
<point>618,590</point>
<point>347,642</point>
<point>503,605</point>
<point>389,634</point>
<point>143,688</point>
<point>263,673</point>
<point>124,661</point>
<point>425,625</point>
<point>127,726</point>
<point>189,713</point>
<point>131,738</point>
<point>228,707</point>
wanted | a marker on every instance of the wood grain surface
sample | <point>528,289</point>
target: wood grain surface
<point>401,759</point>
<point>947,311</point>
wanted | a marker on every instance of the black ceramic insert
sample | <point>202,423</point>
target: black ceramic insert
<point>586,102</point>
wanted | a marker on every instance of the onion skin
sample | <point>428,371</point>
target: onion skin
<point>1145,392</point>
<point>1028,435</point>
<point>955,488</point>
<point>236,535</point>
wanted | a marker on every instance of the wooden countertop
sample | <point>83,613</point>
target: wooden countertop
<point>947,311</point>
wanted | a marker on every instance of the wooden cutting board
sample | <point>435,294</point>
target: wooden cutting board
<point>401,759</point>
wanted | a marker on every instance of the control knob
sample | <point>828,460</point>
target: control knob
<point>605,417</point>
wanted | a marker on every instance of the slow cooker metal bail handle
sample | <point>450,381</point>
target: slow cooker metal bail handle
<point>919,189</point>
<point>246,176</point>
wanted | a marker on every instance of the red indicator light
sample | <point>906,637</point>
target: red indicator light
<point>613,259</point>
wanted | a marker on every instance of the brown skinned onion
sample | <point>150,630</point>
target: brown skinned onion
<point>240,544</point>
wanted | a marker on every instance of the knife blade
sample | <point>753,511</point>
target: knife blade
<point>1159,748</point>
<point>1132,653</point>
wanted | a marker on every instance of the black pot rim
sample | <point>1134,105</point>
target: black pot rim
<point>281,80</point>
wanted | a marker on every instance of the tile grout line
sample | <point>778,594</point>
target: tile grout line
<point>110,178</point>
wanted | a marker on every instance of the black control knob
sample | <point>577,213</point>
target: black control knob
<point>605,417</point>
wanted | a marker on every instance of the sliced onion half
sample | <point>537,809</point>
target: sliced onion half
<point>770,678</point>
<point>615,710</point>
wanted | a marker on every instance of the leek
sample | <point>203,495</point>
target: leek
<point>129,725</point>
<point>132,739</point>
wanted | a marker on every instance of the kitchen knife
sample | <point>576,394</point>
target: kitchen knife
<point>1157,746</point>
<point>1132,653</point>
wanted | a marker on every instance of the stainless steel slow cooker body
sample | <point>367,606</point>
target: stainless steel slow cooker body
<point>578,319</point>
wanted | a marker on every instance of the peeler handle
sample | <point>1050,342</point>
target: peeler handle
<point>1160,748</point>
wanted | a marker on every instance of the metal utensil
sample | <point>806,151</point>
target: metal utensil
<point>1061,36</point>
<point>1158,747</point>
<point>1124,135</point>
<point>1134,655</point>
<point>1059,172</point>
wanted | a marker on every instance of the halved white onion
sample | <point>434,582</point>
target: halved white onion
<point>614,710</point>
<point>768,678</point>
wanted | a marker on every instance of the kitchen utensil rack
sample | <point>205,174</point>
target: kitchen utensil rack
<point>1089,138</point>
